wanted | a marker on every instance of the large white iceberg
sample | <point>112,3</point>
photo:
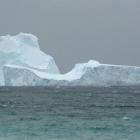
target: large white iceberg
<point>22,63</point>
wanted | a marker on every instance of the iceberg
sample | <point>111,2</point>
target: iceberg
<point>22,63</point>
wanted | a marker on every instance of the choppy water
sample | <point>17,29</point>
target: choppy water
<point>70,114</point>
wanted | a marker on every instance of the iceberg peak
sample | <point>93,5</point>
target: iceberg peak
<point>28,39</point>
<point>93,63</point>
<point>18,43</point>
<point>23,50</point>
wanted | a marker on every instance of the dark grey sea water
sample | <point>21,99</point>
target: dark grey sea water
<point>70,113</point>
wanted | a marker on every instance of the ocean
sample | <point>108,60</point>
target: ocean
<point>92,113</point>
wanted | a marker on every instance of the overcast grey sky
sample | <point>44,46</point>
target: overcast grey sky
<point>75,31</point>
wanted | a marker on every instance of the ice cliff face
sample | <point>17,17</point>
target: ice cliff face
<point>23,50</point>
<point>22,63</point>
<point>109,75</point>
